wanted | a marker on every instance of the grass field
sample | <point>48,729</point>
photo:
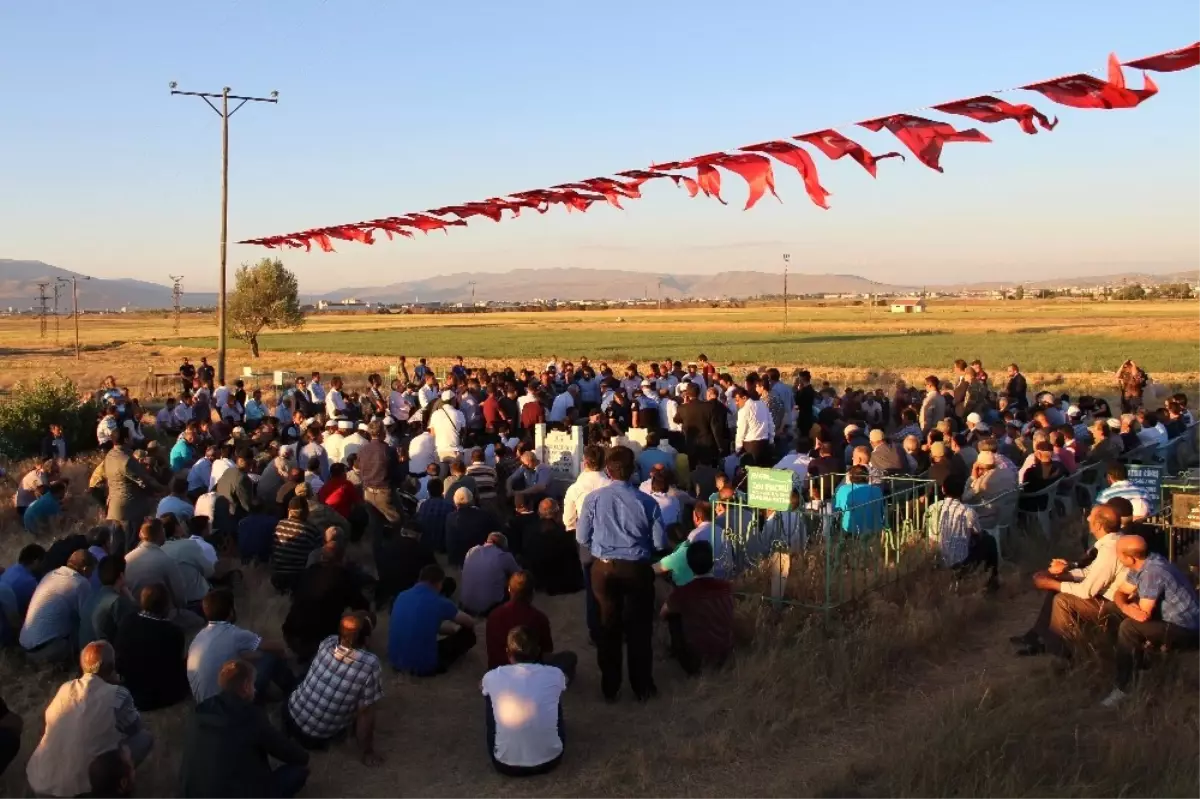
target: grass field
<point>1060,343</point>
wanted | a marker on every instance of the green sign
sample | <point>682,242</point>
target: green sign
<point>770,489</point>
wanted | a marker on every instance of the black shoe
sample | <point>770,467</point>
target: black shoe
<point>1024,639</point>
<point>1032,650</point>
<point>612,698</point>
<point>647,695</point>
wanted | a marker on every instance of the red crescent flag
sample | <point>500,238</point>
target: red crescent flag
<point>692,187</point>
<point>321,239</point>
<point>389,226</point>
<point>350,233</point>
<point>296,243</point>
<point>991,109</point>
<point>610,194</point>
<point>1086,91</point>
<point>923,136</point>
<point>834,145</point>
<point>1173,61</point>
<point>755,170</point>
<point>798,158</point>
<point>708,179</point>
<point>427,223</point>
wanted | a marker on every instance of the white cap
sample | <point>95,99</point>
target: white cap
<point>1074,410</point>
<point>852,428</point>
<point>973,418</point>
<point>362,426</point>
<point>345,424</point>
<point>646,384</point>
<point>447,395</point>
<point>1114,423</point>
<point>328,422</point>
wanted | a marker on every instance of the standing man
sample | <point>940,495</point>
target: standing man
<point>1018,388</point>
<point>131,491</point>
<point>933,406</point>
<point>374,460</point>
<point>622,528</point>
<point>755,429</point>
<point>703,426</point>
<point>187,373</point>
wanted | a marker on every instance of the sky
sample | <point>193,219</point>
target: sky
<point>392,107</point>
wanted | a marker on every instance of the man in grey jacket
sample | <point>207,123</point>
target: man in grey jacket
<point>1077,593</point>
<point>131,492</point>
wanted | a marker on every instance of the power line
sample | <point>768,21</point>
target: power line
<point>176,296</point>
<point>43,305</point>
<point>225,113</point>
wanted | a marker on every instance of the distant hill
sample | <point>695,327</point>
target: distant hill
<point>610,284</point>
<point>19,279</point>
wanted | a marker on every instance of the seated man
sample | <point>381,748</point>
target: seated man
<point>551,553</point>
<point>150,652</point>
<point>1077,593</point>
<point>316,716</point>
<point>432,514</point>
<point>323,593</point>
<point>88,716</point>
<point>1159,606</point>
<point>222,641</point>
<point>527,486</point>
<point>1119,485</point>
<point>17,586</point>
<point>108,605</point>
<point>519,611</point>
<point>398,561</point>
<point>529,741</point>
<point>40,515</point>
<point>485,574</point>
<point>229,741</point>
<point>295,538</point>
<point>699,614</point>
<point>148,564</point>
<point>51,627</point>
<point>467,527</point>
<point>961,541</point>
<point>419,615</point>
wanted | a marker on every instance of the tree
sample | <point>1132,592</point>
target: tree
<point>1019,293</point>
<point>1133,291</point>
<point>1172,291</point>
<point>264,295</point>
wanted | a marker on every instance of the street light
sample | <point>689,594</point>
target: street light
<point>225,113</point>
<point>74,281</point>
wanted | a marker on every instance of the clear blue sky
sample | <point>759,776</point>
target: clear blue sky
<point>391,107</point>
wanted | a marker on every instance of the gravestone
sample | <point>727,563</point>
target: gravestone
<point>1185,511</point>
<point>1148,478</point>
<point>561,451</point>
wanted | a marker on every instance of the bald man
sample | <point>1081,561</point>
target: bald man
<point>1077,593</point>
<point>87,717</point>
<point>1159,608</point>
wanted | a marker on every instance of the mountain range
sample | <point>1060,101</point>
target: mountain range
<point>19,290</point>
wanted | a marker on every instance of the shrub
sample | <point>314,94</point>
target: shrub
<point>27,412</point>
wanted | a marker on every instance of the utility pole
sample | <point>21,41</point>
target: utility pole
<point>74,281</point>
<point>176,296</point>
<point>786,259</point>
<point>56,328</point>
<point>472,285</point>
<point>225,113</point>
<point>660,294</point>
<point>43,306</point>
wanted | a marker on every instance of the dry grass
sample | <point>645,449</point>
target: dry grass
<point>913,692</point>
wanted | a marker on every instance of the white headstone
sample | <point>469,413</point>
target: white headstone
<point>561,451</point>
<point>635,440</point>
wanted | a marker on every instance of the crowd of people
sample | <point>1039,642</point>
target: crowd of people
<point>428,498</point>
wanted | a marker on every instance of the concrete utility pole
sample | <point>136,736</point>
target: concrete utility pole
<point>74,281</point>
<point>472,285</point>
<point>56,328</point>
<point>786,259</point>
<point>225,113</point>
<point>176,296</point>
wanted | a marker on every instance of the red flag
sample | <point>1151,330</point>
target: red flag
<point>389,226</point>
<point>798,158</point>
<point>834,145</point>
<point>611,195</point>
<point>991,109</point>
<point>1173,61</point>
<point>350,233</point>
<point>709,181</point>
<point>1086,91</point>
<point>923,136</point>
<point>321,239</point>
<point>755,170</point>
<point>467,210</point>
<point>297,243</point>
<point>692,187</point>
<point>427,223</point>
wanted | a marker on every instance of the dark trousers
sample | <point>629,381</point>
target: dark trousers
<point>518,771</point>
<point>1063,615</point>
<point>680,650</point>
<point>289,779</point>
<point>10,745</point>
<point>453,647</point>
<point>624,590</point>
<point>271,669</point>
<point>591,607</point>
<point>760,452</point>
<point>981,551</point>
<point>1132,637</point>
<point>304,739</point>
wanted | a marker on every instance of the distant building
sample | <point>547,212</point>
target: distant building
<point>908,306</point>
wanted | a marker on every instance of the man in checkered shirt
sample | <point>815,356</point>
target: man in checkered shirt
<point>957,533</point>
<point>341,689</point>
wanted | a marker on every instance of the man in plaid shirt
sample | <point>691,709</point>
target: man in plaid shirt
<point>955,529</point>
<point>341,689</point>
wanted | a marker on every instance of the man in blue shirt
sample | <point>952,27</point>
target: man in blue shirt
<point>652,456</point>
<point>1159,606</point>
<point>418,616</point>
<point>622,527</point>
<point>183,452</point>
<point>17,584</point>
<point>43,509</point>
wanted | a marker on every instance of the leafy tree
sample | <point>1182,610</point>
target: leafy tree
<point>1133,291</point>
<point>27,412</point>
<point>264,295</point>
<point>1172,291</point>
<point>1019,293</point>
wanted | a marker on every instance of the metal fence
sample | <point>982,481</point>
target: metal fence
<point>831,550</point>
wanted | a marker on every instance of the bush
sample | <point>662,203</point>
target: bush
<point>25,416</point>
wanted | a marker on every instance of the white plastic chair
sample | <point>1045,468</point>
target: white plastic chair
<point>1042,516</point>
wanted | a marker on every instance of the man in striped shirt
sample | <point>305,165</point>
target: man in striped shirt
<point>960,538</point>
<point>1119,485</point>
<point>295,538</point>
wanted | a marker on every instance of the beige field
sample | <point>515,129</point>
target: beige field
<point>1065,345</point>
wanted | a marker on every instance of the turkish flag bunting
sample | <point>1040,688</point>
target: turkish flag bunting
<point>755,170</point>
<point>923,136</point>
<point>611,195</point>
<point>428,223</point>
<point>1173,61</point>
<point>835,145</point>
<point>389,226</point>
<point>798,158</point>
<point>322,240</point>
<point>991,109</point>
<point>351,233</point>
<point>1086,91</point>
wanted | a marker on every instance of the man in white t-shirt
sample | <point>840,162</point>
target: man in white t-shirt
<point>524,716</point>
<point>447,423</point>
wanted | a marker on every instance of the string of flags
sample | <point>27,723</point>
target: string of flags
<point>924,138</point>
